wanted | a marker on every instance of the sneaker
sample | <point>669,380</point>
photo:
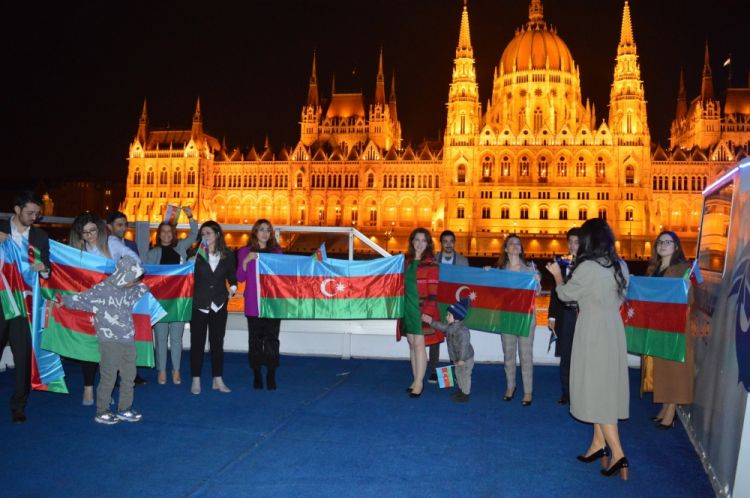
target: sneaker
<point>106,418</point>
<point>433,378</point>
<point>129,415</point>
<point>460,397</point>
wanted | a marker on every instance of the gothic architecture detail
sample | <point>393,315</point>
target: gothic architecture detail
<point>536,161</point>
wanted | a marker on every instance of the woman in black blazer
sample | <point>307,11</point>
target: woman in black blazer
<point>210,297</point>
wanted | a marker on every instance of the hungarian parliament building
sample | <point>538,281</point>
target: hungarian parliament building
<point>535,161</point>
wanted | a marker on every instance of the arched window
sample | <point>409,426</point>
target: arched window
<point>629,175</point>
<point>505,166</point>
<point>603,213</point>
<point>583,213</point>
<point>299,180</point>
<point>191,177</point>
<point>487,164</point>
<point>601,171</point>
<point>581,167</point>
<point>149,177</point>
<point>562,167</point>
<point>137,177</point>
<point>538,120</point>
<point>461,173</point>
<point>163,177</point>
<point>523,166</point>
<point>370,180</point>
<point>543,168</point>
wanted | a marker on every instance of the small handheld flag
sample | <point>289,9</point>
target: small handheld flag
<point>203,249</point>
<point>172,214</point>
<point>445,376</point>
<point>320,253</point>
<point>694,274</point>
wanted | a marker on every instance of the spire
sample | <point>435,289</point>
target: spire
<point>464,48</point>
<point>707,85</point>
<point>536,13</point>
<point>380,81</point>
<point>627,42</point>
<point>333,85</point>
<point>681,98</point>
<point>312,92</point>
<point>142,125</point>
<point>392,99</point>
<point>197,119</point>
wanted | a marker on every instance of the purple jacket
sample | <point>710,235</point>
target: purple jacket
<point>249,277</point>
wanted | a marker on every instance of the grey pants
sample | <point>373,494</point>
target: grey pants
<point>525,347</point>
<point>115,356</point>
<point>171,331</point>
<point>463,376</point>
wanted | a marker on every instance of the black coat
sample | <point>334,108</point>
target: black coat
<point>211,286</point>
<point>565,315</point>
<point>37,238</point>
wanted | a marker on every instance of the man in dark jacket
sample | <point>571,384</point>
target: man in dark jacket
<point>562,321</point>
<point>27,210</point>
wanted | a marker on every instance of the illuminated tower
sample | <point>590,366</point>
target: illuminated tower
<point>311,111</point>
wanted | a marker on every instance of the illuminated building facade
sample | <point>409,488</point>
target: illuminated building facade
<point>535,161</point>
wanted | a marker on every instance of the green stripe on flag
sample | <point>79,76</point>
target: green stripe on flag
<point>178,310</point>
<point>333,309</point>
<point>13,303</point>
<point>496,321</point>
<point>667,345</point>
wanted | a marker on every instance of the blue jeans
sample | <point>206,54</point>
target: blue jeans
<point>172,331</point>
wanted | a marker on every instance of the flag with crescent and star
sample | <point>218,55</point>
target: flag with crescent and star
<point>655,316</point>
<point>304,288</point>
<point>502,301</point>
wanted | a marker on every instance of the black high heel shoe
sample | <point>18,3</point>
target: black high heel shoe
<point>526,402</point>
<point>508,398</point>
<point>620,466</point>
<point>667,426</point>
<point>602,453</point>
<point>656,418</point>
<point>412,394</point>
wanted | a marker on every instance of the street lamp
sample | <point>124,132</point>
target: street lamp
<point>388,236</point>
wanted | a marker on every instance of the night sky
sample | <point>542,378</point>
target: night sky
<point>76,74</point>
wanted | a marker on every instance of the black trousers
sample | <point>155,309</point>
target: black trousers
<point>263,342</point>
<point>16,332</point>
<point>88,368</point>
<point>565,348</point>
<point>215,323</point>
<point>434,358</point>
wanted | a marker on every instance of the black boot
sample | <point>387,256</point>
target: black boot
<point>257,379</point>
<point>271,378</point>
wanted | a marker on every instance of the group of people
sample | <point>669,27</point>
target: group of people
<point>584,316</point>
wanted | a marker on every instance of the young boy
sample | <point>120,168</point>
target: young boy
<point>112,301</point>
<point>459,345</point>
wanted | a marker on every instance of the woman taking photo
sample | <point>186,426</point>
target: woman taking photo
<point>672,380</point>
<point>170,251</point>
<point>420,297</point>
<point>263,333</point>
<point>210,299</point>
<point>89,234</point>
<point>512,259</point>
<point>599,391</point>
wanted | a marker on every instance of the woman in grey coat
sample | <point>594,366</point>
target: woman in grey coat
<point>168,251</point>
<point>599,390</point>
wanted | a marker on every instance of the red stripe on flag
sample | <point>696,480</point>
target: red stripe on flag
<point>493,298</point>
<point>82,322</point>
<point>72,279</point>
<point>299,287</point>
<point>169,286</point>
<point>668,317</point>
<point>142,327</point>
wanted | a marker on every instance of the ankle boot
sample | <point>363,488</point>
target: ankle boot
<point>219,385</point>
<point>257,378</point>
<point>271,379</point>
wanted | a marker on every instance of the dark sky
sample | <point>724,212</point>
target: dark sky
<point>77,73</point>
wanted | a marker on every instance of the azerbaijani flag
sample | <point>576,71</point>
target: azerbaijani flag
<point>320,254</point>
<point>502,301</point>
<point>172,214</point>
<point>694,274</point>
<point>655,316</point>
<point>203,249</point>
<point>445,376</point>
<point>172,285</point>
<point>300,287</point>
<point>12,285</point>
<point>71,333</point>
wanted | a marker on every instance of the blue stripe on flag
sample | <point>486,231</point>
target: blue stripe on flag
<point>456,274</point>
<point>288,265</point>
<point>658,290</point>
<point>70,256</point>
<point>149,305</point>
<point>182,270</point>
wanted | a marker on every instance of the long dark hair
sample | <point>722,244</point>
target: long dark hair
<point>221,246</point>
<point>502,260</point>
<point>75,238</point>
<point>429,251</point>
<point>597,243</point>
<point>678,256</point>
<point>253,242</point>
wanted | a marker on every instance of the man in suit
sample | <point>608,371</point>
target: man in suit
<point>19,229</point>
<point>446,256</point>
<point>562,322</point>
<point>117,223</point>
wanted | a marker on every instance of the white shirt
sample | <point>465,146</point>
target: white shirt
<point>22,239</point>
<point>213,262</point>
